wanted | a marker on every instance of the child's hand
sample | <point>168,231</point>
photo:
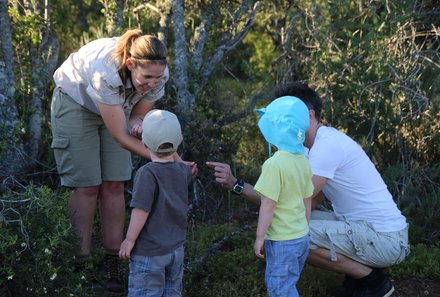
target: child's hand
<point>193,167</point>
<point>125,249</point>
<point>259,248</point>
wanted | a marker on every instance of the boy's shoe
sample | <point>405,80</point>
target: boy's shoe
<point>113,278</point>
<point>384,288</point>
<point>349,286</point>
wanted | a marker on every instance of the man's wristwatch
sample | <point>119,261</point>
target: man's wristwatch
<point>238,187</point>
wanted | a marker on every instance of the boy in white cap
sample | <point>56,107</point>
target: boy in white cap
<point>157,230</point>
<point>284,185</point>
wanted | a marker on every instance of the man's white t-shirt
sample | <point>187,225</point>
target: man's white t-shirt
<point>354,186</point>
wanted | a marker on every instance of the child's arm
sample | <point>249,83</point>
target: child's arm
<point>308,205</point>
<point>137,222</point>
<point>267,208</point>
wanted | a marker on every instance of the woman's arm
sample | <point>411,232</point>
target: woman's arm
<point>115,121</point>
<point>137,116</point>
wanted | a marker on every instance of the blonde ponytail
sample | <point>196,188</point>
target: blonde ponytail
<point>142,49</point>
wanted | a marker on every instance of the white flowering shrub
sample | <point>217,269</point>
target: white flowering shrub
<point>36,244</point>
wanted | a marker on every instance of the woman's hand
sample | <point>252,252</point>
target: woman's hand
<point>136,127</point>
<point>137,116</point>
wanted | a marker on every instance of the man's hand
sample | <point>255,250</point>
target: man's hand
<point>223,174</point>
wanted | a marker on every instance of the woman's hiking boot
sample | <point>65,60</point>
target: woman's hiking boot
<point>113,277</point>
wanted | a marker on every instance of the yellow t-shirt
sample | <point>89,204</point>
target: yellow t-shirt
<point>286,178</point>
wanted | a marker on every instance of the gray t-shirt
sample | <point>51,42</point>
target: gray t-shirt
<point>162,190</point>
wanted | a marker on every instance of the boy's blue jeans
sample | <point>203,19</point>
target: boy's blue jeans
<point>159,276</point>
<point>284,262</point>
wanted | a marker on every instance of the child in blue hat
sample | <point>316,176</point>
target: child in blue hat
<point>284,185</point>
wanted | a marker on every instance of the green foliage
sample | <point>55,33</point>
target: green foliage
<point>375,65</point>
<point>377,69</point>
<point>417,195</point>
<point>36,245</point>
<point>232,270</point>
<point>422,262</point>
<point>86,17</point>
<point>26,27</point>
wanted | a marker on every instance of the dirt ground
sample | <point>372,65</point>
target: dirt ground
<point>414,287</point>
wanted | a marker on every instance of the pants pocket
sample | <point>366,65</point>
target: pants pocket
<point>276,275</point>
<point>62,155</point>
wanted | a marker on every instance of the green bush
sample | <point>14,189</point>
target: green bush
<point>422,262</point>
<point>36,245</point>
<point>220,262</point>
<point>36,259</point>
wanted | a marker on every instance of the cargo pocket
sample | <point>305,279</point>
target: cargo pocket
<point>276,276</point>
<point>359,236</point>
<point>404,252</point>
<point>62,155</point>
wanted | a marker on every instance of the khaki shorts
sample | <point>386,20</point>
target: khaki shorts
<point>357,240</point>
<point>85,153</point>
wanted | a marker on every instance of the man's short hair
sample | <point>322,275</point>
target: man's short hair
<point>303,92</point>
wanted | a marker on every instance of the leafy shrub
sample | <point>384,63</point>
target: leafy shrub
<point>422,262</point>
<point>417,190</point>
<point>220,262</point>
<point>36,245</point>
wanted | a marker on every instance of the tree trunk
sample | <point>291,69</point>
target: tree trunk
<point>201,66</point>
<point>43,56</point>
<point>11,147</point>
<point>185,99</point>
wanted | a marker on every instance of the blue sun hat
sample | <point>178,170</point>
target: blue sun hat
<point>284,123</point>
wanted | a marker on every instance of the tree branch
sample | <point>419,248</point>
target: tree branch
<point>226,47</point>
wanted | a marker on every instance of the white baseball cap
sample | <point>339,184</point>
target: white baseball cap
<point>159,127</point>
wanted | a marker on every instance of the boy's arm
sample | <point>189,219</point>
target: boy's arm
<point>137,222</point>
<point>267,209</point>
<point>308,204</point>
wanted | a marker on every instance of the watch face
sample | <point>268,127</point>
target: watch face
<point>238,187</point>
